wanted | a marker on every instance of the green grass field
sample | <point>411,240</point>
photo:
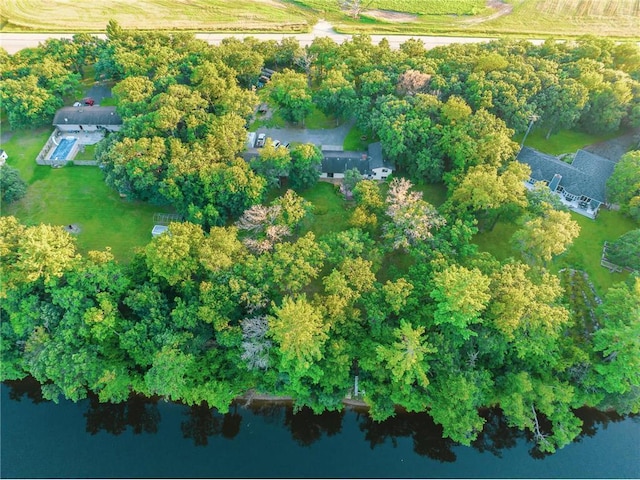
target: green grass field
<point>585,252</point>
<point>565,141</point>
<point>537,18</point>
<point>76,195</point>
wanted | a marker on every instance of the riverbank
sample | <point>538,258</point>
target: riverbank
<point>252,397</point>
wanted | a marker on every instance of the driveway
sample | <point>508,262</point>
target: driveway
<point>332,136</point>
<point>99,91</point>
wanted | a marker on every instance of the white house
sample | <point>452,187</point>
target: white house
<point>87,119</point>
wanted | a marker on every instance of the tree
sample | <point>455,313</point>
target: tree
<point>412,82</point>
<point>623,187</point>
<point>11,185</point>
<point>272,163</point>
<point>543,237</point>
<point>485,188</point>
<point>526,309</point>
<point>461,295</point>
<point>255,346</point>
<point>39,252</point>
<point>290,92</point>
<point>541,199</point>
<point>269,225</point>
<point>625,251</point>
<point>133,95</point>
<point>298,328</point>
<point>174,257</point>
<point>305,166</point>
<point>136,167</point>
<point>27,103</point>
<point>407,357</point>
<point>618,341</point>
<point>412,219</point>
<point>336,95</point>
<point>351,179</point>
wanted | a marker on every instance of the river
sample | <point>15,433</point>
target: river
<point>146,438</point>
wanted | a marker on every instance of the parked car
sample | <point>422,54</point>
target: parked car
<point>88,101</point>
<point>261,139</point>
<point>276,143</point>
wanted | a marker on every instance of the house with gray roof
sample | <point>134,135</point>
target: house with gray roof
<point>580,184</point>
<point>87,119</point>
<point>370,164</point>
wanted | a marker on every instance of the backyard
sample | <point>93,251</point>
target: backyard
<point>584,254</point>
<point>77,196</point>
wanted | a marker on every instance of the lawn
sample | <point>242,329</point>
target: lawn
<point>585,252</point>
<point>86,152</point>
<point>565,141</point>
<point>330,211</point>
<point>317,120</point>
<point>354,142</point>
<point>77,195</point>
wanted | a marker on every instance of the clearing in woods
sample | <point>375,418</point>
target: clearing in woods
<point>536,18</point>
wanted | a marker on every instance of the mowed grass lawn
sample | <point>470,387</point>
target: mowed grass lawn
<point>564,141</point>
<point>77,195</point>
<point>585,252</point>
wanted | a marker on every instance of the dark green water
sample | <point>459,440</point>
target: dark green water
<point>143,438</point>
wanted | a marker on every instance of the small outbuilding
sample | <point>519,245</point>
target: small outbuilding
<point>3,157</point>
<point>87,119</point>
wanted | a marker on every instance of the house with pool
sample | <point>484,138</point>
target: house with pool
<point>75,128</point>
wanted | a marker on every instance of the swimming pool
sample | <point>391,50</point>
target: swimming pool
<point>63,149</point>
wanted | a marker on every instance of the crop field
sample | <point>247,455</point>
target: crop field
<point>419,7</point>
<point>615,18</point>
<point>534,18</point>
<point>93,15</point>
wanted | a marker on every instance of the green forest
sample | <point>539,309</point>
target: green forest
<point>257,291</point>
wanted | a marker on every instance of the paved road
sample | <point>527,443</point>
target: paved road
<point>13,42</point>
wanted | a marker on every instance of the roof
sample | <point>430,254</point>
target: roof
<point>376,159</point>
<point>340,162</point>
<point>87,116</point>
<point>586,175</point>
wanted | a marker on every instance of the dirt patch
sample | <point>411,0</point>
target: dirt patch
<point>391,16</point>
<point>616,147</point>
<point>500,8</point>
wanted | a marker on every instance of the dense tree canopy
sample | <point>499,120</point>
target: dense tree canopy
<point>251,295</point>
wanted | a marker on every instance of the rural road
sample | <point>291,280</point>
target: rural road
<point>13,42</point>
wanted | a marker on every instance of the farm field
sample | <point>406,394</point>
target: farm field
<point>536,18</point>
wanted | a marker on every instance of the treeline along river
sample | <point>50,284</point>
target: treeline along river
<point>152,438</point>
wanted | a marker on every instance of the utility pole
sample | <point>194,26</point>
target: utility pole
<point>532,119</point>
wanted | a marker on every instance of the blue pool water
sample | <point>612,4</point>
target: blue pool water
<point>63,149</point>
